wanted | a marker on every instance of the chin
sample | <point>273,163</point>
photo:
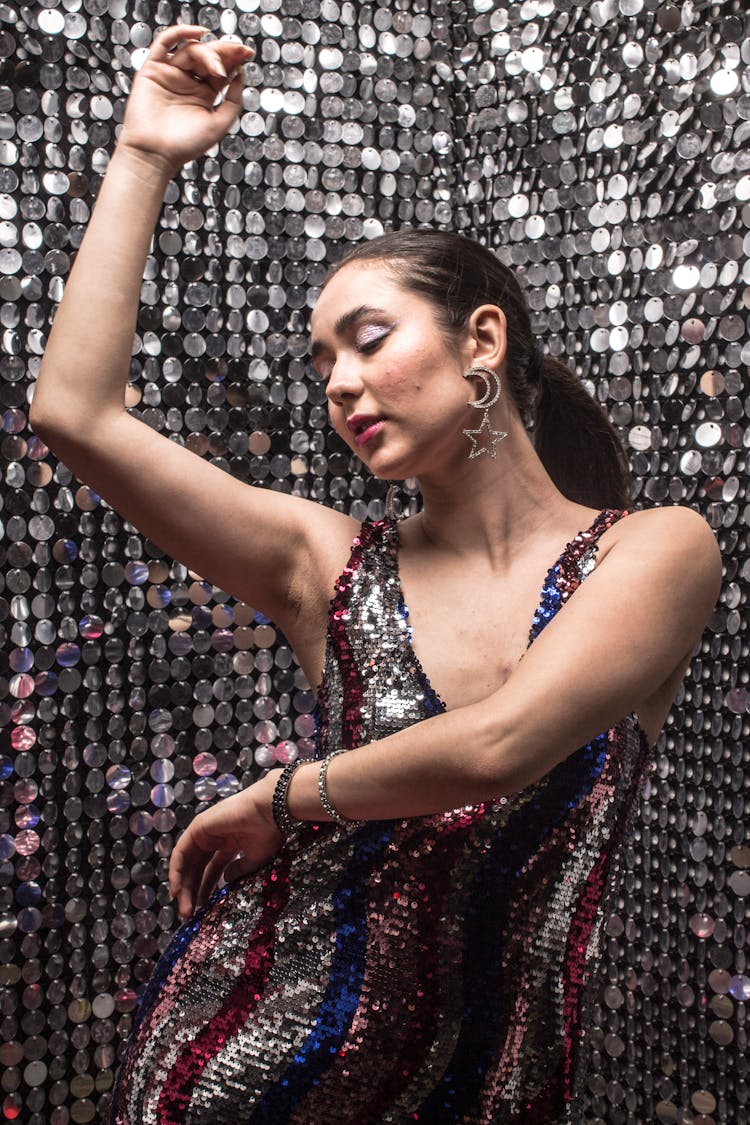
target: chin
<point>390,468</point>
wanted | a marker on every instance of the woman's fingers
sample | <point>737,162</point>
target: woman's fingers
<point>213,61</point>
<point>194,891</point>
<point>171,38</point>
<point>187,96</point>
<point>242,866</point>
<point>186,869</point>
<point>201,62</point>
<point>231,105</point>
<point>198,859</point>
<point>210,877</point>
<point>235,836</point>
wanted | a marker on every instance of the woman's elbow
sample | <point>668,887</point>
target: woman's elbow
<point>490,753</point>
<point>42,425</point>
<point>53,414</point>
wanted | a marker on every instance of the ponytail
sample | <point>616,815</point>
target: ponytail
<point>575,441</point>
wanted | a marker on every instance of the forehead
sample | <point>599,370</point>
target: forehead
<point>360,283</point>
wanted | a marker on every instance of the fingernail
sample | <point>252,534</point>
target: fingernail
<point>218,69</point>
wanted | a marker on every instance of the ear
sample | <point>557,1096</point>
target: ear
<point>488,336</point>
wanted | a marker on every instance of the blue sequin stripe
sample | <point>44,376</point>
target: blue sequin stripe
<point>342,995</point>
<point>459,1090</point>
<point>549,603</point>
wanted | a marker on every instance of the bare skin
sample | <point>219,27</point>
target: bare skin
<point>472,562</point>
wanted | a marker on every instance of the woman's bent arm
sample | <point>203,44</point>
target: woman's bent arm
<point>620,637</point>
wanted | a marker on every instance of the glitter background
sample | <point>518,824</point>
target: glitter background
<point>602,149</point>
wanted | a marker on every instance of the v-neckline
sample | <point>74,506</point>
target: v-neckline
<point>404,608</point>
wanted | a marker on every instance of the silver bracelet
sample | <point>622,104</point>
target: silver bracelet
<point>283,819</point>
<point>325,800</point>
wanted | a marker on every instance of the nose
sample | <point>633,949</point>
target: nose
<point>344,380</point>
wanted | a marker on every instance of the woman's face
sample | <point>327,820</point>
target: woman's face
<point>395,389</point>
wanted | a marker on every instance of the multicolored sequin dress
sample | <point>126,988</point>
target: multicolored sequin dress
<point>433,970</point>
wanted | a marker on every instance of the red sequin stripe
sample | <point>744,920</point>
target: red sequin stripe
<point>570,576</point>
<point>241,1001</point>
<point>351,719</point>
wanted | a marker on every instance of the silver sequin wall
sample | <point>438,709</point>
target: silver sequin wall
<point>602,149</point>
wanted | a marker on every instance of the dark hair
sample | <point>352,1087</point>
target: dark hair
<point>575,441</point>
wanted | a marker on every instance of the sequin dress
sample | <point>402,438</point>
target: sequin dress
<point>435,970</point>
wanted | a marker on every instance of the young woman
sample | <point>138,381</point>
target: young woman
<point>409,929</point>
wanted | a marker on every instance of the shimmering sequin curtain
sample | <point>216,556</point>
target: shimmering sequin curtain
<point>601,149</point>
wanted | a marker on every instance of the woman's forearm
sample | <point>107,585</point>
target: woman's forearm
<point>85,366</point>
<point>450,761</point>
<point>182,102</point>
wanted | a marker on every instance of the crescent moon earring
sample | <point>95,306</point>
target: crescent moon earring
<point>484,439</point>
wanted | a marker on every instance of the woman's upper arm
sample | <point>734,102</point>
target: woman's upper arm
<point>262,546</point>
<point>634,620</point>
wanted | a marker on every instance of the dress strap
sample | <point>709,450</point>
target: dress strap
<point>577,560</point>
<point>376,541</point>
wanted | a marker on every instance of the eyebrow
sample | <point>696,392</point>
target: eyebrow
<point>344,322</point>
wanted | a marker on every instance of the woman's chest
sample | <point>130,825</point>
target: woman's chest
<point>468,638</point>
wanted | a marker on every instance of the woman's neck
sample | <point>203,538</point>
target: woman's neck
<point>492,506</point>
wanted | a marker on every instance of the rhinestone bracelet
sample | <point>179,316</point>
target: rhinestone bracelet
<point>283,819</point>
<point>325,800</point>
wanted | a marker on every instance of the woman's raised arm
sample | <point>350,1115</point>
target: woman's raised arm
<point>256,544</point>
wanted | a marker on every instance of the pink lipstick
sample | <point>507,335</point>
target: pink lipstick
<point>364,427</point>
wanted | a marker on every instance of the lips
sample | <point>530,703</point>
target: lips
<point>364,427</point>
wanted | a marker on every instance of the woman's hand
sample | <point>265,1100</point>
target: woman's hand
<point>234,837</point>
<point>170,116</point>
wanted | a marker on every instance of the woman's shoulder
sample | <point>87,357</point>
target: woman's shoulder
<point>670,520</point>
<point>673,531</point>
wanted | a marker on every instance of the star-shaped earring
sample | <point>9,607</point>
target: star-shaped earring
<point>493,437</point>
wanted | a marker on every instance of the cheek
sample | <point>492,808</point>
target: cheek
<point>411,370</point>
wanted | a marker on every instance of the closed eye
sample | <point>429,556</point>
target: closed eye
<point>367,339</point>
<point>371,336</point>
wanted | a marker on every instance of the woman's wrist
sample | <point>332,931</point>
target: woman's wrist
<point>306,795</point>
<point>302,796</point>
<point>325,798</point>
<point>282,818</point>
<point>151,169</point>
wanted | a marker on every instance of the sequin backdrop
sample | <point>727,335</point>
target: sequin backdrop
<point>602,149</point>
